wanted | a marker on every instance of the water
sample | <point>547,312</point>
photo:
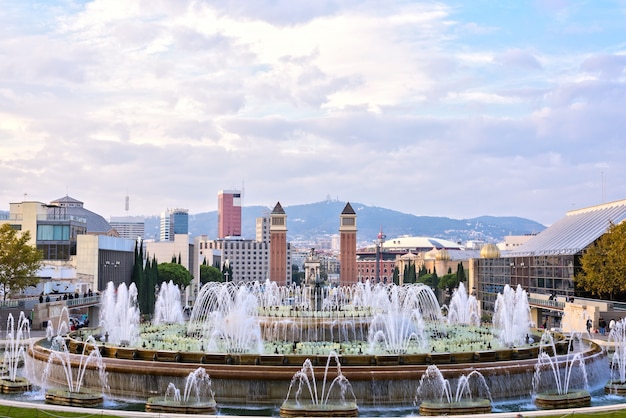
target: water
<point>434,387</point>
<point>168,308</point>
<point>74,378</point>
<point>119,314</point>
<point>511,318</point>
<point>617,337</point>
<point>463,308</point>
<point>14,346</point>
<point>307,386</point>
<point>265,318</point>
<point>558,374</point>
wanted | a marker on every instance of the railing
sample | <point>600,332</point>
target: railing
<point>547,303</point>
<point>11,303</point>
<point>89,300</point>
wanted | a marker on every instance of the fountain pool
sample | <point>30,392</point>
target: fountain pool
<point>251,340</point>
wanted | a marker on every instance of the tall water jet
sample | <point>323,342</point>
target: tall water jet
<point>311,400</point>
<point>560,380</point>
<point>14,355</point>
<point>119,314</point>
<point>73,393</point>
<point>617,339</point>
<point>511,318</point>
<point>398,327</point>
<point>197,397</point>
<point>168,308</point>
<point>435,395</point>
<point>463,307</point>
<point>225,317</point>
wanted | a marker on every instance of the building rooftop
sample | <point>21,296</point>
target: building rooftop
<point>574,232</point>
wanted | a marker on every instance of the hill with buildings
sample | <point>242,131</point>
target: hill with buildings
<point>315,221</point>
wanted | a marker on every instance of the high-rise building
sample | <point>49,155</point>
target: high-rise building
<point>228,213</point>
<point>347,255</point>
<point>130,227</point>
<point>173,222</point>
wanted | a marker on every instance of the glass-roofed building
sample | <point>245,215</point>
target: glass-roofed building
<point>547,263</point>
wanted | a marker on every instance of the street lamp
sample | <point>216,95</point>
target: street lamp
<point>379,245</point>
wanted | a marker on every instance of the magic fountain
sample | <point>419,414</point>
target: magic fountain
<point>253,339</point>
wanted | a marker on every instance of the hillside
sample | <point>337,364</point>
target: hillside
<point>309,221</point>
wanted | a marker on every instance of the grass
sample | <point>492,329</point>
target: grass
<point>19,412</point>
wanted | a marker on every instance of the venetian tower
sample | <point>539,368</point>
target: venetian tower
<point>347,246</point>
<point>278,245</point>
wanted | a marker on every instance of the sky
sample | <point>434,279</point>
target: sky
<point>433,108</point>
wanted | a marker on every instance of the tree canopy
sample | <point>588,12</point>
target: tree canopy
<point>176,273</point>
<point>19,261</point>
<point>210,274</point>
<point>603,264</point>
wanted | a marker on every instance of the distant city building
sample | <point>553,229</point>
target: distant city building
<point>131,227</point>
<point>173,222</point>
<point>228,213</point>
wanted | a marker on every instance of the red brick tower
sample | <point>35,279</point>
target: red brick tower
<point>347,256</point>
<point>278,245</point>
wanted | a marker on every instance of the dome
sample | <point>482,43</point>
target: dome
<point>442,255</point>
<point>490,251</point>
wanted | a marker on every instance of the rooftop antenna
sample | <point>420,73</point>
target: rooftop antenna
<point>603,195</point>
<point>127,203</point>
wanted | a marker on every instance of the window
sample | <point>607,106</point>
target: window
<point>53,233</point>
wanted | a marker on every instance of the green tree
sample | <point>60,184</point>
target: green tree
<point>396,275</point>
<point>19,261</point>
<point>210,274</point>
<point>176,273</point>
<point>603,264</point>
<point>297,276</point>
<point>460,273</point>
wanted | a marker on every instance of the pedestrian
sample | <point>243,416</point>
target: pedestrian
<point>611,325</point>
<point>602,325</point>
<point>589,324</point>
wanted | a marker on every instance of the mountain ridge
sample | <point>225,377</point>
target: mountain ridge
<point>312,221</point>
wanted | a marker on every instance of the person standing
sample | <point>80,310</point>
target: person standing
<point>589,324</point>
<point>602,325</point>
<point>611,324</point>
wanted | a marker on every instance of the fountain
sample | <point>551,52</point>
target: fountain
<point>252,338</point>
<point>225,317</point>
<point>73,393</point>
<point>319,402</point>
<point>197,383</point>
<point>14,355</point>
<point>463,308</point>
<point>119,316</point>
<point>436,397</point>
<point>511,318</point>
<point>617,336</point>
<point>168,308</point>
<point>554,376</point>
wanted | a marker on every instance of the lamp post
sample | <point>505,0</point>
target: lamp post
<point>379,245</point>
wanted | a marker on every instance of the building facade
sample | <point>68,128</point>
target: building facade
<point>130,227</point>
<point>229,213</point>
<point>279,263</point>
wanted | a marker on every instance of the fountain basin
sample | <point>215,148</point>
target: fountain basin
<point>615,387</point>
<point>555,400</point>
<point>376,380</point>
<point>20,384</point>
<point>163,405</point>
<point>82,398</point>
<point>292,408</point>
<point>467,407</point>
